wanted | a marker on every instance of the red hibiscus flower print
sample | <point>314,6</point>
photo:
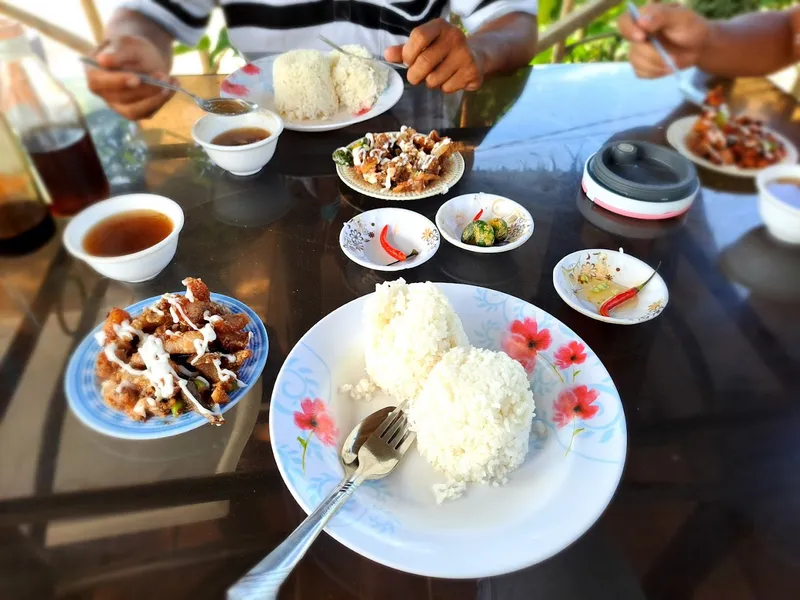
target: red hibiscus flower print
<point>570,354</point>
<point>236,89</point>
<point>251,69</point>
<point>314,418</point>
<point>524,341</point>
<point>575,403</point>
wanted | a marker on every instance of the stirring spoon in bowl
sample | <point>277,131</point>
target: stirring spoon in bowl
<point>217,106</point>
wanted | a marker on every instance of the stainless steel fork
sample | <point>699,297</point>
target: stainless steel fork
<point>379,455</point>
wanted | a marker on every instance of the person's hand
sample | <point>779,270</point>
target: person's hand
<point>123,91</point>
<point>439,54</point>
<point>683,33</point>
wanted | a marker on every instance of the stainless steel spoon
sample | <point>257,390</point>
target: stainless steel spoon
<point>217,106</point>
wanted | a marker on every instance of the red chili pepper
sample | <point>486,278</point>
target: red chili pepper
<point>478,216</point>
<point>623,297</point>
<point>399,255</point>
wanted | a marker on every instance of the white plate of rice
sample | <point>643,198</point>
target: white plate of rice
<point>519,476</point>
<point>316,91</point>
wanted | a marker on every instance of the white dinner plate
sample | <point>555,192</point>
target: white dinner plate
<point>254,82</point>
<point>628,271</point>
<point>676,136</point>
<point>549,502</point>
<point>359,238</point>
<point>456,213</point>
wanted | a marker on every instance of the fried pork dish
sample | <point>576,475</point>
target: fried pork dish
<point>181,354</point>
<point>724,140</point>
<point>401,162</point>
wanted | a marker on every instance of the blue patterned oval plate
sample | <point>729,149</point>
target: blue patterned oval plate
<point>83,388</point>
<point>577,447</point>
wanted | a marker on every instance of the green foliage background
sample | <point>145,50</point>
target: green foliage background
<point>607,45</point>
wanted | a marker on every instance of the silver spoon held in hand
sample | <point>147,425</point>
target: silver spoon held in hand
<point>217,106</point>
<point>387,440</point>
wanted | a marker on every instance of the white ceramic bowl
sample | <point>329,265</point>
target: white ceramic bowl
<point>132,268</point>
<point>628,271</point>
<point>781,218</point>
<point>457,212</point>
<point>239,160</point>
<point>359,238</point>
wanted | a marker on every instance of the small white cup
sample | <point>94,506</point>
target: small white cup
<point>132,268</point>
<point>239,160</point>
<point>781,218</point>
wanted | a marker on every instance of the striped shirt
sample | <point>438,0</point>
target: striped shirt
<point>270,26</point>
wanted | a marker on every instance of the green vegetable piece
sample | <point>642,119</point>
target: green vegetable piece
<point>359,143</point>
<point>500,229</point>
<point>200,384</point>
<point>484,234</point>
<point>468,235</point>
<point>176,408</point>
<point>343,156</point>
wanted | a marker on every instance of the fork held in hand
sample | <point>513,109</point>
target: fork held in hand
<point>376,458</point>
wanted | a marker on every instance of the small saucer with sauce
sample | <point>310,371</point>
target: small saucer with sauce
<point>587,278</point>
<point>128,238</point>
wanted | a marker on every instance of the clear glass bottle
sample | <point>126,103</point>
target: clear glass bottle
<point>50,125</point>
<point>25,223</point>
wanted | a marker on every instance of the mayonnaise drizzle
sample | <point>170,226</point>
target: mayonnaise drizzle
<point>100,337</point>
<point>189,294</point>
<point>111,354</point>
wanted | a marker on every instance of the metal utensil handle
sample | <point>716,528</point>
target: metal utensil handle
<point>373,59</point>
<point>655,42</point>
<point>145,78</point>
<point>263,581</point>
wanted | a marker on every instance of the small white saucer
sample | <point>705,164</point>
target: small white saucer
<point>408,230</point>
<point>626,270</point>
<point>457,212</point>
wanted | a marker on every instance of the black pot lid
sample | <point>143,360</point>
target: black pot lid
<point>643,171</point>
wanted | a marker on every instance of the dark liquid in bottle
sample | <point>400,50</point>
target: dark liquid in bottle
<point>68,164</point>
<point>24,227</point>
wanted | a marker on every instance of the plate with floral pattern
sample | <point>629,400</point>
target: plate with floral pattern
<point>455,214</point>
<point>577,447</point>
<point>407,231</point>
<point>624,269</point>
<point>254,82</point>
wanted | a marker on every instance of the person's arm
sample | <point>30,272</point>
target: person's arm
<point>507,43</point>
<point>139,38</point>
<point>753,44</point>
<point>443,56</point>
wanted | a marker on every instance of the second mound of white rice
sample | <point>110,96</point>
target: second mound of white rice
<point>473,418</point>
<point>407,329</point>
<point>358,83</point>
<point>303,85</point>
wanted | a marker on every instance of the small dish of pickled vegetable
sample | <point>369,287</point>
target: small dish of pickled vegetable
<point>389,239</point>
<point>484,223</point>
<point>610,286</point>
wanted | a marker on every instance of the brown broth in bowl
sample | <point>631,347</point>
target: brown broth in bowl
<point>241,136</point>
<point>786,189</point>
<point>127,232</point>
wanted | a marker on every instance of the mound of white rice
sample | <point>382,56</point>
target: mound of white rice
<point>473,418</point>
<point>408,328</point>
<point>358,83</point>
<point>303,85</point>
